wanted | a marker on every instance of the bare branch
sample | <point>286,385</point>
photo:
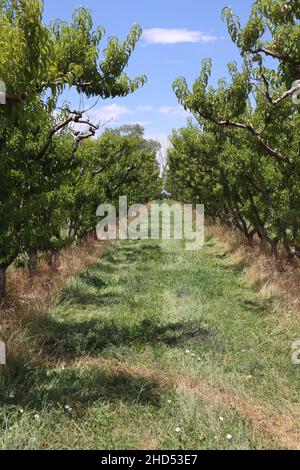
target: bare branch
<point>76,117</point>
<point>277,101</point>
<point>16,98</point>
<point>273,152</point>
<point>275,55</point>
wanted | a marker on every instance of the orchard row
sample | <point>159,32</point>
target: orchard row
<point>242,157</point>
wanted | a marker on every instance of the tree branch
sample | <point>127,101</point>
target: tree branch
<point>282,57</point>
<point>16,98</point>
<point>76,117</point>
<point>273,152</point>
<point>277,101</point>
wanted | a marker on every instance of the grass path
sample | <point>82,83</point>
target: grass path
<point>155,348</point>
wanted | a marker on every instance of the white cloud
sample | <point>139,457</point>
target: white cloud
<point>110,112</point>
<point>175,36</point>
<point>168,109</point>
<point>114,112</point>
<point>173,110</point>
<point>114,115</point>
<point>144,108</point>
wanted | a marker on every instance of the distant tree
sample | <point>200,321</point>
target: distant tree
<point>113,165</point>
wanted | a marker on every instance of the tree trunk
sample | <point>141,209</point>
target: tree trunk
<point>52,260</point>
<point>3,269</point>
<point>263,241</point>
<point>32,263</point>
<point>95,236</point>
<point>251,236</point>
<point>84,237</point>
<point>70,228</point>
<point>274,250</point>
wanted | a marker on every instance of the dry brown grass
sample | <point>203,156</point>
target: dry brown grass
<point>27,296</point>
<point>284,427</point>
<point>276,278</point>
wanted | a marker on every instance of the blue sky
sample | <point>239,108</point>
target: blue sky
<point>177,36</point>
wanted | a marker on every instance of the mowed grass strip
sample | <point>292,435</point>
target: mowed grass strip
<point>155,347</point>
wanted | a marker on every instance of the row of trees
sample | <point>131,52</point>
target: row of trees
<point>52,175</point>
<point>242,158</point>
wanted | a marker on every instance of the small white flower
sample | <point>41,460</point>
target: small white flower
<point>187,351</point>
<point>21,411</point>
<point>178,430</point>
<point>229,437</point>
<point>37,417</point>
<point>169,401</point>
<point>198,359</point>
<point>68,408</point>
<point>193,355</point>
<point>221,418</point>
<point>12,395</point>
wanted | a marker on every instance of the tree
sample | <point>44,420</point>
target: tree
<point>256,123</point>
<point>37,63</point>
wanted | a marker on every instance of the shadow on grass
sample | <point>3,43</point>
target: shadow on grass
<point>77,295</point>
<point>92,280</point>
<point>128,254</point>
<point>93,336</point>
<point>88,287</point>
<point>42,388</point>
<point>235,268</point>
<point>36,384</point>
<point>77,335</point>
<point>221,256</point>
<point>261,307</point>
<point>65,338</point>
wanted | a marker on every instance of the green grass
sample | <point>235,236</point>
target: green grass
<point>114,349</point>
